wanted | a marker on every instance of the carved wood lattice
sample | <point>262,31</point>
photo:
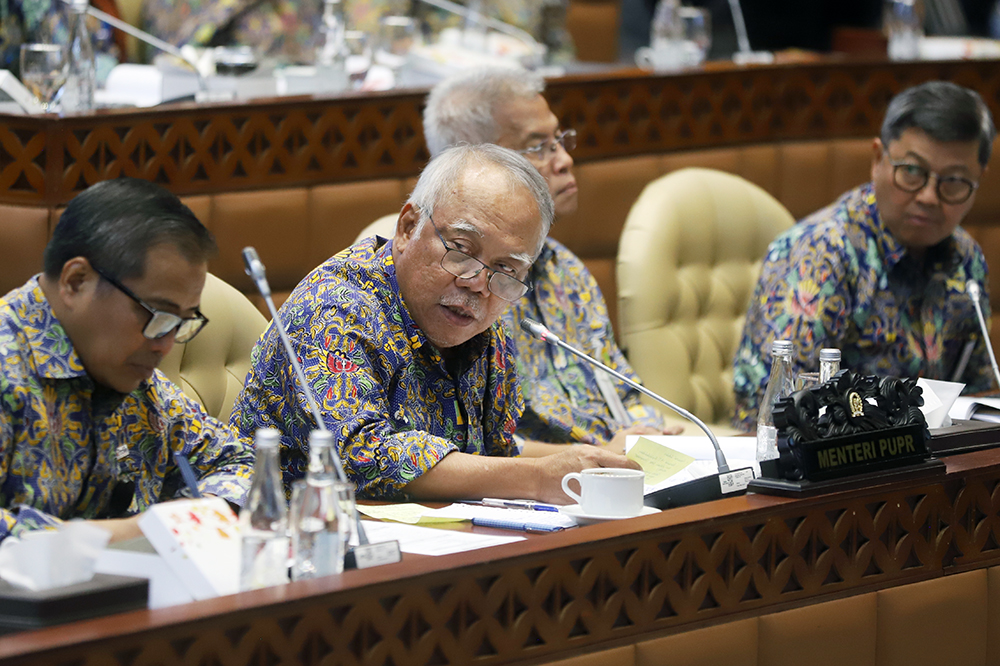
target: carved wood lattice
<point>195,150</point>
<point>621,586</point>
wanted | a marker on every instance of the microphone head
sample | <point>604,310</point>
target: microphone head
<point>255,269</point>
<point>533,328</point>
<point>973,290</point>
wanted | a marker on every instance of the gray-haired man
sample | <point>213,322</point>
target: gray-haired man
<point>401,344</point>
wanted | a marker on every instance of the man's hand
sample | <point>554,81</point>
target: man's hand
<point>121,529</point>
<point>617,443</point>
<point>552,469</point>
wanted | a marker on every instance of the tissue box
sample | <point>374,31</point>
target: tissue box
<point>200,541</point>
<point>137,557</point>
<point>104,594</point>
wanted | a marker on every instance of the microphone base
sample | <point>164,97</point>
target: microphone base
<point>372,555</point>
<point>705,489</point>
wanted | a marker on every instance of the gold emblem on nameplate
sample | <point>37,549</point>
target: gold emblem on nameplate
<point>857,405</point>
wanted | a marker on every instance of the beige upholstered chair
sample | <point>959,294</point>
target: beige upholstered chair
<point>211,368</point>
<point>688,260</point>
<point>384,226</point>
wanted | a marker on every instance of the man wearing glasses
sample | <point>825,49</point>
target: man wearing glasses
<point>401,344</point>
<point>881,273</point>
<point>89,428</point>
<point>566,399</point>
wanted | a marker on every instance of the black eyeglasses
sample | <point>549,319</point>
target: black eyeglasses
<point>913,178</point>
<point>546,150</point>
<point>162,323</point>
<point>466,267</point>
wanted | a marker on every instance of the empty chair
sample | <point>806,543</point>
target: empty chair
<point>688,261</point>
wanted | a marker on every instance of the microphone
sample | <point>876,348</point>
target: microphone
<point>363,555</point>
<point>975,294</point>
<point>729,480</point>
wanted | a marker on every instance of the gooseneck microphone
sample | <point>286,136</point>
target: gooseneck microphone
<point>537,330</point>
<point>976,294</point>
<point>255,269</point>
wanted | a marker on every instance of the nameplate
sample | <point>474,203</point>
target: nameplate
<point>376,554</point>
<point>863,452</point>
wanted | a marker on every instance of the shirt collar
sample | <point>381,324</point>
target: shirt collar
<point>52,350</point>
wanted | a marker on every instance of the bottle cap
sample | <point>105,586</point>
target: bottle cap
<point>267,437</point>
<point>79,5</point>
<point>781,347</point>
<point>320,438</point>
<point>829,354</point>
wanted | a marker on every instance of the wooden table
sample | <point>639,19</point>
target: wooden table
<point>560,594</point>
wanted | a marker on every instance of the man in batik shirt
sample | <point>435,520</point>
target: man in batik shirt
<point>401,344</point>
<point>566,399</point>
<point>881,273</point>
<point>89,428</point>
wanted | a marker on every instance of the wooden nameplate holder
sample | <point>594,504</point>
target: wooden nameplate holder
<point>872,431</point>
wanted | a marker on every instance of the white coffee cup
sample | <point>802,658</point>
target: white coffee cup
<point>607,491</point>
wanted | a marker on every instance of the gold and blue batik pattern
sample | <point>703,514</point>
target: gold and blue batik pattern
<point>65,443</point>
<point>562,401</point>
<point>840,279</point>
<point>385,393</point>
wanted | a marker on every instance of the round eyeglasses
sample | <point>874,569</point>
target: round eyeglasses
<point>466,267</point>
<point>546,150</point>
<point>913,178</point>
<point>161,323</point>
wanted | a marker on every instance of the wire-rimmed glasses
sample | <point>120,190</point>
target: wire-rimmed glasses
<point>466,267</point>
<point>546,150</point>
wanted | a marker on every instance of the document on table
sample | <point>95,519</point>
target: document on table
<point>418,540</point>
<point>977,409</point>
<point>492,516</point>
<point>740,452</point>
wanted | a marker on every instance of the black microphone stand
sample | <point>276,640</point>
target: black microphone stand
<point>699,490</point>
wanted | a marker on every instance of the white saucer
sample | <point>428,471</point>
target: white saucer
<point>576,513</point>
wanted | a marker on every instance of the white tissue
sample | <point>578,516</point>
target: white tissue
<point>938,399</point>
<point>44,559</point>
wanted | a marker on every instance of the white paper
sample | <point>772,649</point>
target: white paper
<point>739,452</point>
<point>418,540</point>
<point>964,406</point>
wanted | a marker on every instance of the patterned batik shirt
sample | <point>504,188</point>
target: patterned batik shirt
<point>69,448</point>
<point>394,405</point>
<point>562,400</point>
<point>840,279</point>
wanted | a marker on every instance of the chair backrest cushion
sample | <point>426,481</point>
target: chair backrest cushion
<point>212,367</point>
<point>384,226</point>
<point>688,260</point>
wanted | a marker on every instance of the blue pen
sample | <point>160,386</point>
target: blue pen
<point>187,474</point>
<point>519,504</point>
<point>515,525</point>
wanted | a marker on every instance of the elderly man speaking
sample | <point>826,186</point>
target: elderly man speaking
<point>401,344</point>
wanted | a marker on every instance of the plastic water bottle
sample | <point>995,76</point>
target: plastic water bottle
<point>331,57</point>
<point>318,521</point>
<point>829,364</point>
<point>264,520</point>
<point>902,23</point>
<point>780,384</point>
<point>78,93</point>
<point>666,28</point>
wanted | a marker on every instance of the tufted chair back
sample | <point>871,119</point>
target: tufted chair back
<point>384,226</point>
<point>688,260</point>
<point>211,368</point>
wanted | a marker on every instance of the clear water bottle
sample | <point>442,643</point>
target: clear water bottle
<point>666,28</point>
<point>319,524</point>
<point>902,21</point>
<point>829,363</point>
<point>264,520</point>
<point>780,384</point>
<point>331,57</point>
<point>78,93</point>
